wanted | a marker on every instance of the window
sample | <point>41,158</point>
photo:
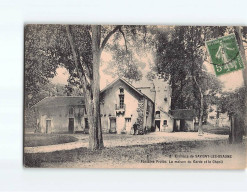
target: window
<point>86,123</point>
<point>164,122</point>
<point>157,114</point>
<point>121,90</point>
<point>148,108</point>
<point>71,111</point>
<point>128,119</point>
<point>121,101</point>
<point>102,100</point>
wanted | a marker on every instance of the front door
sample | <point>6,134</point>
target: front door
<point>71,125</point>
<point>48,126</point>
<point>113,125</point>
<point>157,125</point>
<point>182,125</point>
<point>128,124</point>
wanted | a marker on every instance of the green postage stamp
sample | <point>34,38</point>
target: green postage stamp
<point>224,53</point>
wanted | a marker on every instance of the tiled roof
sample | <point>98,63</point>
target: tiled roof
<point>127,83</point>
<point>187,114</point>
<point>61,101</point>
<point>79,100</point>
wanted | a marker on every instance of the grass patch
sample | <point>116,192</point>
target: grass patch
<point>216,130</point>
<point>32,140</point>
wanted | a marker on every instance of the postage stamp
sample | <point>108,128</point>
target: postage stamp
<point>224,53</point>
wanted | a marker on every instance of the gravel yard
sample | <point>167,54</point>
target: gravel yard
<point>141,151</point>
<point>112,140</point>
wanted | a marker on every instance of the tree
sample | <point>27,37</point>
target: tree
<point>78,48</point>
<point>181,54</point>
<point>234,104</point>
<point>128,47</point>
<point>89,76</point>
<point>39,67</point>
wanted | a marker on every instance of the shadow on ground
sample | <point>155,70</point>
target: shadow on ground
<point>121,155</point>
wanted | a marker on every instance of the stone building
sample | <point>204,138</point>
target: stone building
<point>61,114</point>
<point>159,91</point>
<point>122,105</point>
<point>183,119</point>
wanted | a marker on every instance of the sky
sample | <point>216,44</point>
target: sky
<point>231,81</point>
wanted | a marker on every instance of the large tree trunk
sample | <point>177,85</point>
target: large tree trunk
<point>90,87</point>
<point>200,131</point>
<point>244,72</point>
<point>95,133</point>
<point>236,130</point>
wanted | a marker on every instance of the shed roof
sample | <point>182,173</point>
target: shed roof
<point>61,101</point>
<point>186,114</point>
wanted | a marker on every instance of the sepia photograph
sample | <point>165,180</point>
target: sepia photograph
<point>134,96</point>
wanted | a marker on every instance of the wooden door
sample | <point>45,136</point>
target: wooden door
<point>71,125</point>
<point>113,125</point>
<point>157,125</point>
<point>128,124</point>
<point>48,126</point>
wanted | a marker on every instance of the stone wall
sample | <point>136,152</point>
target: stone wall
<point>140,111</point>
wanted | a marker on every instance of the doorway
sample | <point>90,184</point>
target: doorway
<point>157,125</point>
<point>128,124</point>
<point>48,126</point>
<point>182,125</point>
<point>112,125</point>
<point>71,125</point>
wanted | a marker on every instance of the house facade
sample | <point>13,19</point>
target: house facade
<point>61,115</point>
<point>122,105</point>
<point>159,91</point>
<point>183,119</point>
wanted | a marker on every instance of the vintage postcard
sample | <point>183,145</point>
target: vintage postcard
<point>135,96</point>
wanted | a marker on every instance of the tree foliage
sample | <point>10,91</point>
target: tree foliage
<point>180,53</point>
<point>128,48</point>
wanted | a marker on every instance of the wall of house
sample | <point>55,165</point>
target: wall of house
<point>59,116</point>
<point>108,100</point>
<point>163,103</point>
<point>162,94</point>
<point>169,126</point>
<point>148,114</point>
<point>189,124</point>
<point>141,119</point>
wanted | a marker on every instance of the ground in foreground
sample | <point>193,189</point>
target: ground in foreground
<point>201,153</point>
<point>32,140</point>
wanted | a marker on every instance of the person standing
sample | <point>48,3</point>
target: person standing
<point>135,128</point>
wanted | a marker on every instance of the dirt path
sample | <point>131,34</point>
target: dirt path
<point>128,140</point>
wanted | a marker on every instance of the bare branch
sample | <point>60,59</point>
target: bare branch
<point>197,84</point>
<point>121,31</point>
<point>108,37</point>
